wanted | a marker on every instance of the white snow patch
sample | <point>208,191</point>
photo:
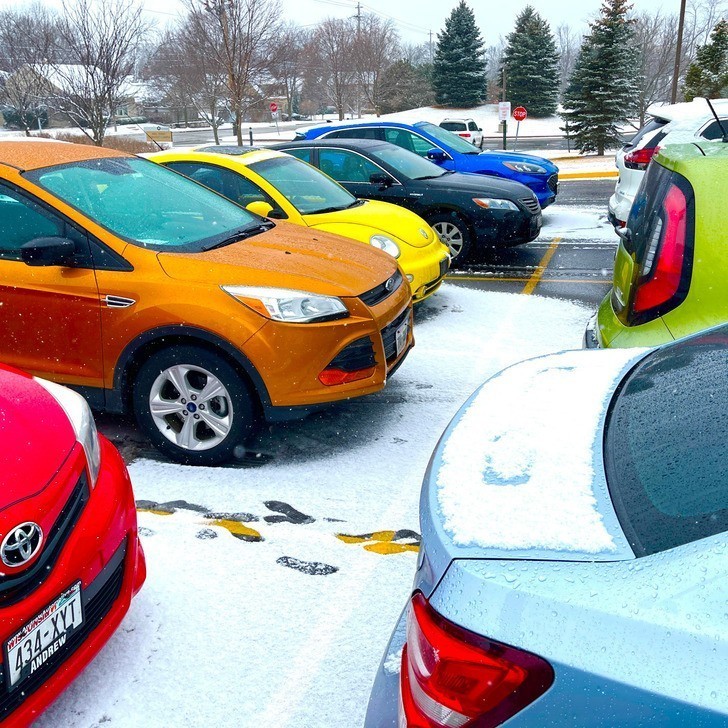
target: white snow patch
<point>587,225</point>
<point>517,468</point>
<point>393,663</point>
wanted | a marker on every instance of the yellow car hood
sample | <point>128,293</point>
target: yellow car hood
<point>373,217</point>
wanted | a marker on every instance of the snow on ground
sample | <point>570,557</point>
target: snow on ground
<point>224,632</point>
<point>577,224</point>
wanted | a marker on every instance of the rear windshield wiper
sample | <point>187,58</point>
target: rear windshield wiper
<point>242,234</point>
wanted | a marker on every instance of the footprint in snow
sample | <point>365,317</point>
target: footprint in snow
<point>312,568</point>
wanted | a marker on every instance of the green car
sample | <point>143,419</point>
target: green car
<point>671,267</point>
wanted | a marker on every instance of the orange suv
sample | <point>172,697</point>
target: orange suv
<point>149,293</point>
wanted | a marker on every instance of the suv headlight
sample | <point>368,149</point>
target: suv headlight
<point>79,414</point>
<point>386,244</point>
<point>525,167</point>
<point>290,306</point>
<point>493,203</point>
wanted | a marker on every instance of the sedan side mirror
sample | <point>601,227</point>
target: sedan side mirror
<point>381,179</point>
<point>437,156</point>
<point>625,234</point>
<point>48,251</point>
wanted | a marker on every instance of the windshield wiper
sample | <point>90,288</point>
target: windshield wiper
<point>242,234</point>
<point>433,176</point>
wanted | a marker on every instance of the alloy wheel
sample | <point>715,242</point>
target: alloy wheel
<point>451,235</point>
<point>191,407</point>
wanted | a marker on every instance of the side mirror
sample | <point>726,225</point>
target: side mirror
<point>48,251</point>
<point>381,179</point>
<point>625,234</point>
<point>437,156</point>
<point>479,129</point>
<point>260,207</point>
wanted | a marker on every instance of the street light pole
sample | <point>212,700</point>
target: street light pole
<point>678,52</point>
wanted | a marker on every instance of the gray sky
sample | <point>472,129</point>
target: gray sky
<point>415,18</point>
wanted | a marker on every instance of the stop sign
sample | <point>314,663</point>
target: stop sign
<point>520,113</point>
<point>273,107</point>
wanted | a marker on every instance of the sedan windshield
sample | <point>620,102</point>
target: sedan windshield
<point>448,138</point>
<point>146,204</point>
<point>408,163</point>
<point>305,187</point>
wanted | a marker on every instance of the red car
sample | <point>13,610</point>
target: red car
<point>70,557</point>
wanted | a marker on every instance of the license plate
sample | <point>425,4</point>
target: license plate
<point>43,636</point>
<point>401,336</point>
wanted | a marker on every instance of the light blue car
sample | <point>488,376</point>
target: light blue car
<point>574,561</point>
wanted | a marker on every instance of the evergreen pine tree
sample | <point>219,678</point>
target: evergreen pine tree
<point>458,73</point>
<point>708,74</point>
<point>602,92</point>
<point>531,65</point>
<point>404,86</point>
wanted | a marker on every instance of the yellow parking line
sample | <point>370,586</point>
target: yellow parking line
<point>535,278</point>
<point>575,176</point>
<point>543,282</point>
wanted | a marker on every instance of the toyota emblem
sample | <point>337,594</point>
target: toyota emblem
<point>21,544</point>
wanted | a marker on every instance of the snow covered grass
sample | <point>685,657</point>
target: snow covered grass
<point>517,469</point>
<point>224,633</point>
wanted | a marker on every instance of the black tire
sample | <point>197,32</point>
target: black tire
<point>443,222</point>
<point>235,408</point>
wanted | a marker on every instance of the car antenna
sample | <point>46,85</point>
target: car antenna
<point>720,123</point>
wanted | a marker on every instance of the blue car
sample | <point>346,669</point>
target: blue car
<point>574,560</point>
<point>451,152</point>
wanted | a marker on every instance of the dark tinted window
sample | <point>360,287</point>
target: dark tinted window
<point>713,131</point>
<point>21,220</point>
<point>346,166</point>
<point>666,445</point>
<point>453,125</point>
<point>648,128</point>
<point>302,153</point>
<point>354,134</point>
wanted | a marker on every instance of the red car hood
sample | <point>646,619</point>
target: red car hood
<point>35,437</point>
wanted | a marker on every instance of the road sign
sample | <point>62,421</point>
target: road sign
<point>504,110</point>
<point>520,113</point>
<point>273,107</point>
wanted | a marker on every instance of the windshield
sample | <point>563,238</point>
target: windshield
<point>666,447</point>
<point>305,187</point>
<point>453,125</point>
<point>408,163</point>
<point>447,138</point>
<point>146,204</point>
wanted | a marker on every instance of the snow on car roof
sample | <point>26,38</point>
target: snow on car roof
<point>517,470</point>
<point>695,109</point>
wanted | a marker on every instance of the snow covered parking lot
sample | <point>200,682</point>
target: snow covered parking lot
<point>227,630</point>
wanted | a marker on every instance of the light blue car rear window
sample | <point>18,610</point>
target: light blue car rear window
<point>666,449</point>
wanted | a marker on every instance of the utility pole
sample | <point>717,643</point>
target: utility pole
<point>678,52</point>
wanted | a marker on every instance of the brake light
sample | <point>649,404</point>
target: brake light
<point>331,377</point>
<point>452,678</point>
<point>664,259</point>
<point>465,134</point>
<point>640,158</point>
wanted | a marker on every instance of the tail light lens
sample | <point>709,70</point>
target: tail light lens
<point>663,266</point>
<point>453,678</point>
<point>640,158</point>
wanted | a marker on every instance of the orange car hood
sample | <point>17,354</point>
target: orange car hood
<point>288,256</point>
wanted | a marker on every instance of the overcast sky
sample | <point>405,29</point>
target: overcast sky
<point>415,18</point>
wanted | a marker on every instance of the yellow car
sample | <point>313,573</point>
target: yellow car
<point>279,186</point>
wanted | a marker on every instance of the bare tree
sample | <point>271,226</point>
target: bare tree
<point>334,43</point>
<point>375,49</point>
<point>287,61</point>
<point>240,38</point>
<point>99,41</point>
<point>494,70</point>
<point>655,39</point>
<point>568,43</point>
<point>28,38</point>
<point>183,69</point>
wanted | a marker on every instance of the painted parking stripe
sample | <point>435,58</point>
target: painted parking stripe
<point>534,280</point>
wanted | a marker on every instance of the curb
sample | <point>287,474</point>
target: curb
<point>608,174</point>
